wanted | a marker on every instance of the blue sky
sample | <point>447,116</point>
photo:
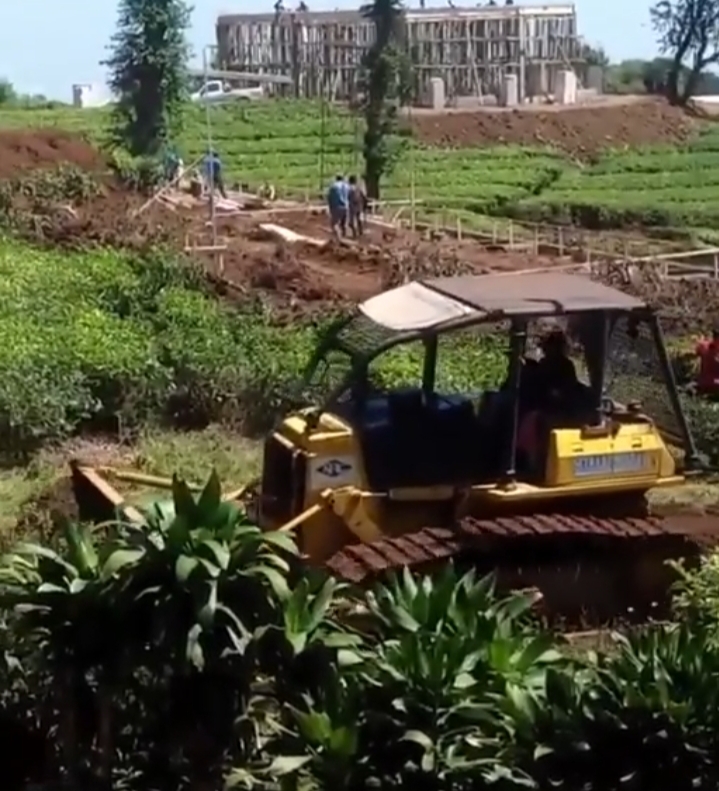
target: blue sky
<point>46,45</point>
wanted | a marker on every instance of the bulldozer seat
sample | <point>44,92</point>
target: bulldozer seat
<point>410,438</point>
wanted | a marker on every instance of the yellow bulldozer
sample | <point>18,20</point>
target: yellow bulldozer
<point>373,480</point>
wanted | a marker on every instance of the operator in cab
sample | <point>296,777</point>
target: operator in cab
<point>555,372</point>
<point>708,353</point>
<point>551,389</point>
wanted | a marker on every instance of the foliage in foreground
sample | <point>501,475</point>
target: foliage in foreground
<point>190,649</point>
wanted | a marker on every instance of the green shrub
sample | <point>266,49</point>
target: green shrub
<point>697,594</point>
<point>111,340</point>
<point>438,683</point>
<point>703,418</point>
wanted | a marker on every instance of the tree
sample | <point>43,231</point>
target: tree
<point>148,73</point>
<point>688,30</point>
<point>383,64</point>
<point>595,56</point>
<point>8,94</point>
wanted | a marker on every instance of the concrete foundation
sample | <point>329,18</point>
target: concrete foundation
<point>595,78</point>
<point>537,82</point>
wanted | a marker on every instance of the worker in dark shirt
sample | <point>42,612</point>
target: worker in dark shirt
<point>172,164</point>
<point>356,204</point>
<point>708,353</point>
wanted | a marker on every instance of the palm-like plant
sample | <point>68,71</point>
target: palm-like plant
<point>179,596</point>
<point>79,622</point>
<point>301,650</point>
<point>205,582</point>
<point>450,650</point>
<point>643,718</point>
<point>423,704</point>
<point>206,555</point>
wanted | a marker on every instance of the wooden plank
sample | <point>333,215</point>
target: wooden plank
<point>686,254</point>
<point>212,248</point>
<point>110,493</point>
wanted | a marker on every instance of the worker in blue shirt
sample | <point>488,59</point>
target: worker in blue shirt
<point>213,172</point>
<point>338,205</point>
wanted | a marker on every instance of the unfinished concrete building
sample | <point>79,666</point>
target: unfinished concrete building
<point>471,49</point>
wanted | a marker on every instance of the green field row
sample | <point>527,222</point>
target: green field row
<point>299,146</point>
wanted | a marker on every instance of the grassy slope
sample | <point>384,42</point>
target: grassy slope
<point>192,454</point>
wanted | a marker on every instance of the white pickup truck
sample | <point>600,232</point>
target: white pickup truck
<point>218,91</point>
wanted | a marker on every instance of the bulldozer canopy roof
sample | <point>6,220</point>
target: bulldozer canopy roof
<point>429,304</point>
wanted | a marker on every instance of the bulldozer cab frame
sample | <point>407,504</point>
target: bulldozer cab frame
<point>620,336</point>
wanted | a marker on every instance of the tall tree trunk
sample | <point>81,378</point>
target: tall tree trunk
<point>691,83</point>
<point>372,183</point>
<point>374,164</point>
<point>673,82</point>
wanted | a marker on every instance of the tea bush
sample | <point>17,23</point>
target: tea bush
<point>110,340</point>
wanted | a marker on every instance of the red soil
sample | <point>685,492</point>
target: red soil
<point>580,129</point>
<point>23,151</point>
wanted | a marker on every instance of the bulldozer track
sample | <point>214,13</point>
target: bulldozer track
<point>359,563</point>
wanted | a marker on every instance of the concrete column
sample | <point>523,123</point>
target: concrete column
<point>436,91</point>
<point>509,95</point>
<point>566,90</point>
<point>595,78</point>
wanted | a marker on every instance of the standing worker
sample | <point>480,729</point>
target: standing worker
<point>357,203</point>
<point>337,203</point>
<point>173,165</point>
<point>213,172</point>
<point>708,353</point>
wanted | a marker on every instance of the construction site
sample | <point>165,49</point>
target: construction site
<point>471,51</point>
<point>285,504</point>
<point>281,255</point>
<point>283,249</point>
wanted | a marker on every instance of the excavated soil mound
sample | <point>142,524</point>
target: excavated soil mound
<point>22,151</point>
<point>109,220</point>
<point>580,131</point>
<point>686,307</point>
